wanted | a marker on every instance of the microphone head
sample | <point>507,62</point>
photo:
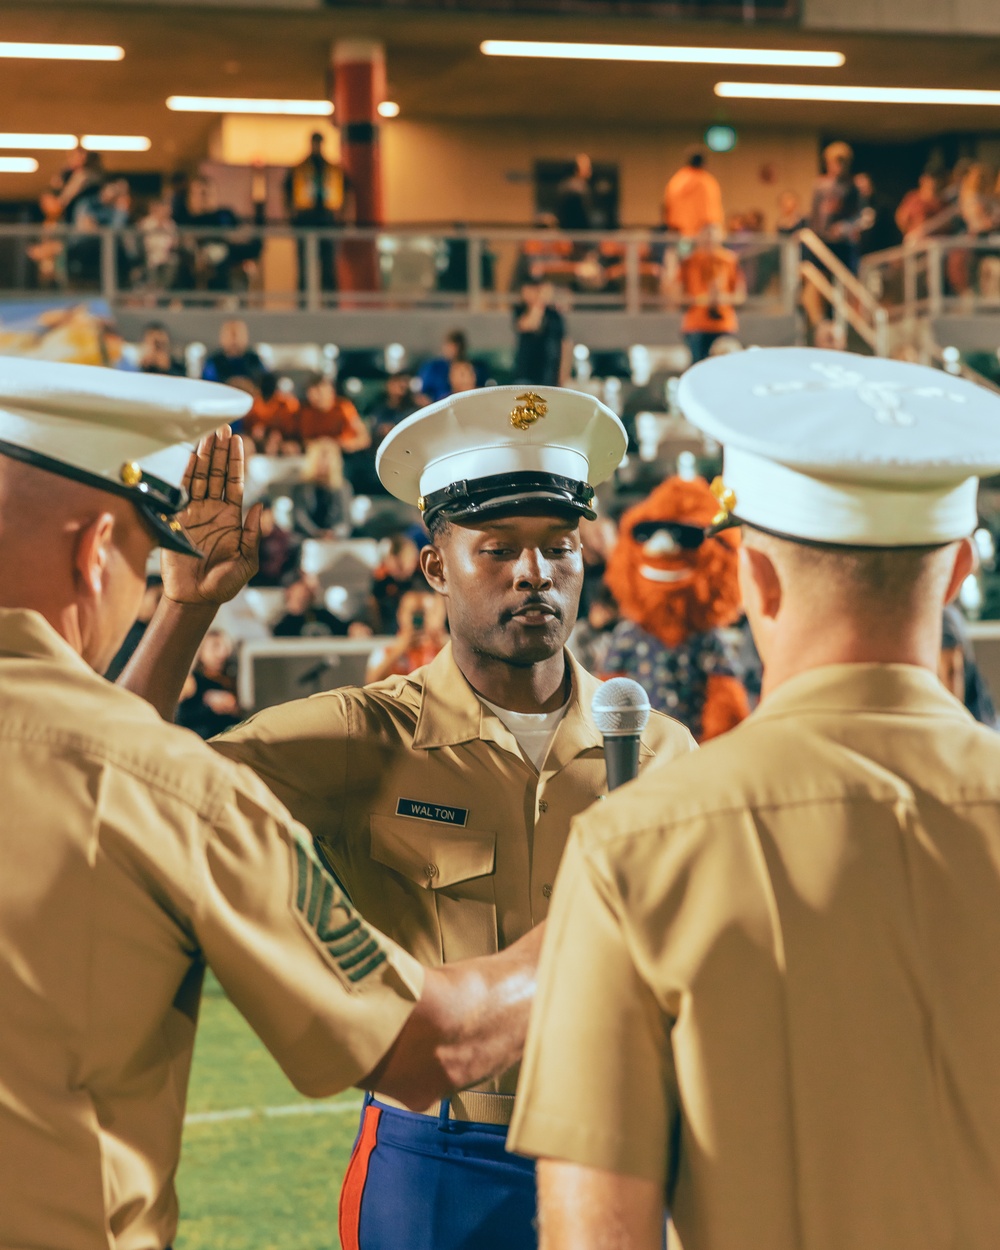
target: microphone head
<point>620,708</point>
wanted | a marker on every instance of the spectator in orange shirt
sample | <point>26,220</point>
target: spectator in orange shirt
<point>918,206</point>
<point>325,414</point>
<point>709,285</point>
<point>422,634</point>
<point>273,409</point>
<point>692,198</point>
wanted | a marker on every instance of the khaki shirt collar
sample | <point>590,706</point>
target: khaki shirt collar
<point>902,689</point>
<point>26,633</point>
<point>451,712</point>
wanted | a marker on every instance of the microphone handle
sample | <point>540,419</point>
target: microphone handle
<point>621,757</point>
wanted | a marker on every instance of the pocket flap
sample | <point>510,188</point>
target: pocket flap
<point>429,854</point>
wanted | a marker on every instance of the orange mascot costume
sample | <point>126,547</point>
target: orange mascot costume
<point>676,586</point>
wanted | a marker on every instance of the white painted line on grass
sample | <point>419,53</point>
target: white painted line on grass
<point>250,1113</point>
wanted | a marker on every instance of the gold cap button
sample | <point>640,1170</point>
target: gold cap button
<point>130,473</point>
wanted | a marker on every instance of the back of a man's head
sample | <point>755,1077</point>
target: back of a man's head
<point>73,553</point>
<point>813,603</point>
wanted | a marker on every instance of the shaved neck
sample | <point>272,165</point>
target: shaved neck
<point>810,606</point>
<point>45,521</point>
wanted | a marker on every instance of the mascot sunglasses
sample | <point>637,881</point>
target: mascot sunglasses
<point>687,537</point>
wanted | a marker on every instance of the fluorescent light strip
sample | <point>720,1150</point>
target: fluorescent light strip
<point>221,104</point>
<point>18,164</point>
<point>854,95</point>
<point>661,54</point>
<point>40,143</point>
<point>115,143</point>
<point>62,51</point>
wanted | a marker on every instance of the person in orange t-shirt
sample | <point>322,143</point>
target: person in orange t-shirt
<point>692,199</point>
<point>709,285</point>
<point>273,409</point>
<point>325,414</point>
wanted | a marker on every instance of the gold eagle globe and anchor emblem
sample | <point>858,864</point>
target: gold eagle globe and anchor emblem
<point>726,498</point>
<point>527,409</point>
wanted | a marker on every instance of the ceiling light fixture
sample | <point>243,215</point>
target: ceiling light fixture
<point>115,143</point>
<point>388,108</point>
<point>222,104</point>
<point>662,54</point>
<point>18,164</point>
<point>40,143</point>
<point>62,51</point>
<point>854,95</point>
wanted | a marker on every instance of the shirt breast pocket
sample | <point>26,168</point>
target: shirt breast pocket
<point>444,903</point>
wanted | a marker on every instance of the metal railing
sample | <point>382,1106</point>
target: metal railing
<point>935,277</point>
<point>851,302</point>
<point>276,267</point>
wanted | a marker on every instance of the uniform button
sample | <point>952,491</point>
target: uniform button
<point>430,871</point>
<point>546,891</point>
<point>542,805</point>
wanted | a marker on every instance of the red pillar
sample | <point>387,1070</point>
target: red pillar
<point>358,89</point>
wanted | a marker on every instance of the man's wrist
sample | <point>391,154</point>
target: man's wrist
<point>202,611</point>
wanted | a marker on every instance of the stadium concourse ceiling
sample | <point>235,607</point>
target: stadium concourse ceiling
<point>436,72</point>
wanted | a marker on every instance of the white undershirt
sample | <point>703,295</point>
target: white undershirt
<point>534,731</point>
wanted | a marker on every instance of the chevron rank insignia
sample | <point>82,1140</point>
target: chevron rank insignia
<point>325,909</point>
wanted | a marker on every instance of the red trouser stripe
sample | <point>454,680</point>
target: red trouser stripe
<point>354,1181</point>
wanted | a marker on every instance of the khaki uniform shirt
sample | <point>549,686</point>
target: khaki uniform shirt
<point>133,855</point>
<point>771,980</point>
<point>457,854</point>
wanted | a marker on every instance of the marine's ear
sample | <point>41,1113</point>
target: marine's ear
<point>432,567</point>
<point>966,562</point>
<point>759,582</point>
<point>94,545</point>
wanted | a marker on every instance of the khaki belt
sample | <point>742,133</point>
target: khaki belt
<point>474,1105</point>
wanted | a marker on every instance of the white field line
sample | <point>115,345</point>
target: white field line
<point>251,1113</point>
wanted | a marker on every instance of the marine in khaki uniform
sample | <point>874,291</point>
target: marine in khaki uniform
<point>134,856</point>
<point>456,855</point>
<point>770,986</point>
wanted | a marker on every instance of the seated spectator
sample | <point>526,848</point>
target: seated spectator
<point>708,284</point>
<point>591,638</point>
<point>275,410</point>
<point>422,633</point>
<point>918,206</point>
<point>156,352</point>
<point>160,239</point>
<point>398,573</point>
<point>395,404</point>
<point>322,500</point>
<point>306,616</point>
<point>326,414</point>
<point>235,358</point>
<point>462,376</point>
<point>279,552</point>
<point>208,700</point>
<point>435,379</point>
<point>542,355</point>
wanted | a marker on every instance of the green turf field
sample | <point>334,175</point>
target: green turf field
<point>269,1178</point>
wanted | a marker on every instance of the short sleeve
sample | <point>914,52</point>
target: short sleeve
<point>597,1077</point>
<point>326,993</point>
<point>300,751</point>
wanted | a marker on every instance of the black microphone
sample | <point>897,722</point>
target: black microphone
<point>620,709</point>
